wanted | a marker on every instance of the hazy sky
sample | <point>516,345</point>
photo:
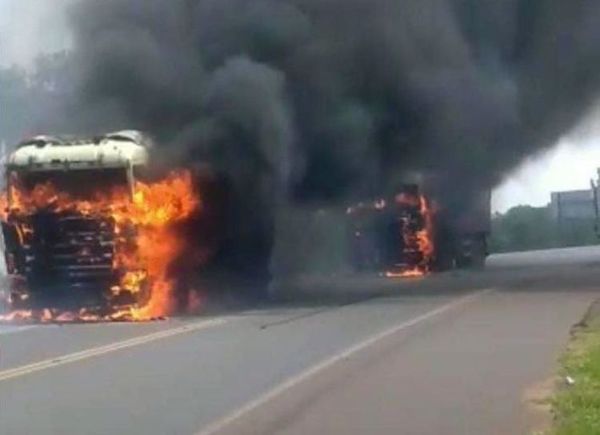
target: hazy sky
<point>28,27</point>
<point>569,166</point>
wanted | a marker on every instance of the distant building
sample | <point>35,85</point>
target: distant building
<point>575,214</point>
<point>572,205</point>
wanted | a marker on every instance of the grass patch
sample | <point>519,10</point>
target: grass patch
<point>577,407</point>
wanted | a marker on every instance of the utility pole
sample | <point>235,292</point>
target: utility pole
<point>596,211</point>
<point>3,159</point>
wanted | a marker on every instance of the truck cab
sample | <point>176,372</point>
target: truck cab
<point>57,256</point>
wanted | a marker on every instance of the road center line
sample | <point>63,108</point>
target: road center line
<point>109,348</point>
<point>221,424</point>
<point>16,330</point>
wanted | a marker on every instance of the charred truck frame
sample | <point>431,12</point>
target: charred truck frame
<point>417,230</point>
<point>60,257</point>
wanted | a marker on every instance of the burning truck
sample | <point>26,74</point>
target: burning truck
<point>84,237</point>
<point>393,234</point>
<point>87,236</point>
<point>416,230</point>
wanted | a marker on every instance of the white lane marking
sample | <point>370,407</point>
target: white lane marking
<point>6,330</point>
<point>221,424</point>
<point>103,350</point>
<point>15,329</point>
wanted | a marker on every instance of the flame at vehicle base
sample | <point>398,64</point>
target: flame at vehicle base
<point>410,273</point>
<point>47,316</point>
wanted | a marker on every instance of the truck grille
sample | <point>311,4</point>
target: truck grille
<point>70,253</point>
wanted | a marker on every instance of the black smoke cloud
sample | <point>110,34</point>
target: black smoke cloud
<point>303,100</point>
<point>336,97</point>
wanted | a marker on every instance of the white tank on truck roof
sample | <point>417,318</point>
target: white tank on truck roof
<point>46,153</point>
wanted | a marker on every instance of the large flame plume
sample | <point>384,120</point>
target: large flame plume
<point>151,211</point>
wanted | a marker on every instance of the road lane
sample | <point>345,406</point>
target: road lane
<point>465,375</point>
<point>101,351</point>
<point>547,258</point>
<point>184,383</point>
<point>22,345</point>
<point>25,345</point>
<point>331,363</point>
<point>436,377</point>
<point>8,329</point>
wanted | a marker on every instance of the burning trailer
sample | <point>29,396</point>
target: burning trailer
<point>395,234</point>
<point>415,232</point>
<point>84,238</point>
<point>409,233</point>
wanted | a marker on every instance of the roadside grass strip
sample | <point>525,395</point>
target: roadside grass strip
<point>576,403</point>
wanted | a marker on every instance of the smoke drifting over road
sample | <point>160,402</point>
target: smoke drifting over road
<point>333,99</point>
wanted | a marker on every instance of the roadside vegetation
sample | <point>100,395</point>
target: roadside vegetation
<point>526,228</point>
<point>576,404</point>
<point>30,98</point>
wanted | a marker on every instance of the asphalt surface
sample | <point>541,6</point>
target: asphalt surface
<point>454,354</point>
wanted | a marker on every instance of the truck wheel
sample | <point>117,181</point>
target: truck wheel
<point>478,253</point>
<point>472,253</point>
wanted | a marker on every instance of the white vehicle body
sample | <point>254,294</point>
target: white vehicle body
<point>46,153</point>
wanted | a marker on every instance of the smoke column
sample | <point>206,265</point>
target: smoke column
<point>331,100</point>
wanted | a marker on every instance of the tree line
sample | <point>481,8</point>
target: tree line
<point>525,228</point>
<point>30,98</point>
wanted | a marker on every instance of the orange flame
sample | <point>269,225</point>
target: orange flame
<point>422,239</point>
<point>151,213</point>
<point>425,236</point>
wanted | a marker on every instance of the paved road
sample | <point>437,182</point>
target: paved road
<point>453,358</point>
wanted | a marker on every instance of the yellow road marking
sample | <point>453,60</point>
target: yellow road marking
<point>109,348</point>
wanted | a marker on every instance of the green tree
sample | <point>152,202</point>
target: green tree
<point>14,103</point>
<point>524,228</point>
<point>33,102</point>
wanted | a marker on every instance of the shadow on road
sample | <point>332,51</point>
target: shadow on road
<point>562,270</point>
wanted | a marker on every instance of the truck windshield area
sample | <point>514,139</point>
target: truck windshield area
<point>78,184</point>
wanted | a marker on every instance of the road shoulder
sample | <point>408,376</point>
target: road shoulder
<point>576,403</point>
<point>464,373</point>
